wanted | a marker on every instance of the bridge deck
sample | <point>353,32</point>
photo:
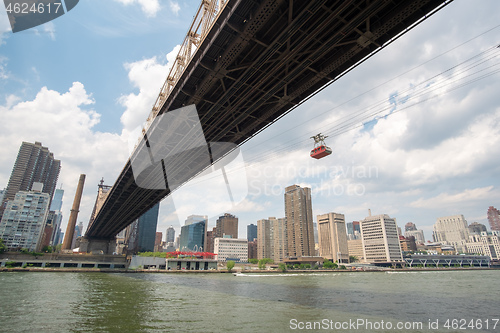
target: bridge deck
<point>259,61</point>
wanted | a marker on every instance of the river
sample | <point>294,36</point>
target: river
<point>335,302</point>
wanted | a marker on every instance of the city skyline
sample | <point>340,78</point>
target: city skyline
<point>416,165</point>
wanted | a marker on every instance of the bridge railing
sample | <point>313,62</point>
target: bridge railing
<point>207,13</point>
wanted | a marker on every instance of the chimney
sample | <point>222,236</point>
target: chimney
<point>70,229</point>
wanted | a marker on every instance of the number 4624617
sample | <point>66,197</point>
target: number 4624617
<point>25,8</point>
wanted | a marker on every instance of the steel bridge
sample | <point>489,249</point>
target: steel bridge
<point>246,63</point>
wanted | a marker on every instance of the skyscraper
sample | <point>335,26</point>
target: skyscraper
<point>380,239</point>
<point>24,218</point>
<point>227,225</point>
<point>34,164</point>
<point>251,232</point>
<point>452,230</point>
<point>333,237</point>
<point>170,235</point>
<point>140,235</point>
<point>494,218</point>
<point>193,236</point>
<point>299,221</point>
<point>265,239</point>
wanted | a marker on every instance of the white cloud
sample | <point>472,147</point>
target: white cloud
<point>149,7</point>
<point>174,7</point>
<point>64,123</point>
<point>466,197</point>
<point>147,76</point>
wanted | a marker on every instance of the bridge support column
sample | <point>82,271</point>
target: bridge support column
<point>98,245</point>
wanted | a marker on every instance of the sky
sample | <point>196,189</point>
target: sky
<point>414,129</point>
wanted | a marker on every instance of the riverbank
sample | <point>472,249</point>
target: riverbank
<point>243,272</point>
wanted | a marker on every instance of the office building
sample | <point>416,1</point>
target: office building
<point>227,225</point>
<point>235,249</point>
<point>2,194</point>
<point>140,235</point>
<point>380,238</point>
<point>170,238</point>
<point>355,247</point>
<point>451,230</point>
<point>195,218</point>
<point>210,236</point>
<point>494,218</point>
<point>407,244</point>
<point>252,249</point>
<point>299,221</point>
<point>192,236</point>
<point>333,237</point>
<point>418,234</point>
<point>486,243</point>
<point>251,232</point>
<point>22,224</point>
<point>34,164</point>
<point>353,230</point>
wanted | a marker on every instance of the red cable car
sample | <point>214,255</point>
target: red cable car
<point>320,149</point>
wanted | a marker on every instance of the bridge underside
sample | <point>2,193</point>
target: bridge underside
<point>259,61</point>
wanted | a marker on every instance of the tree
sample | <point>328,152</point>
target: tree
<point>230,265</point>
<point>282,267</point>
<point>329,265</point>
<point>253,261</point>
<point>353,259</point>
<point>3,248</point>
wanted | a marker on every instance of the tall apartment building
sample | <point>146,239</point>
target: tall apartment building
<point>452,230</point>
<point>410,226</point>
<point>24,218</point>
<point>235,249</point>
<point>265,238</point>
<point>494,218</point>
<point>34,164</point>
<point>251,232</point>
<point>299,221</point>
<point>227,225</point>
<point>380,238</point>
<point>280,239</point>
<point>333,237</point>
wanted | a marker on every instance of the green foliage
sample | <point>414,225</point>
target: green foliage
<point>48,249</point>
<point>262,262</point>
<point>301,266</point>
<point>329,265</point>
<point>253,261</point>
<point>282,267</point>
<point>353,259</point>
<point>10,264</point>
<point>230,265</point>
<point>152,254</point>
<point>296,266</point>
<point>307,266</point>
<point>343,267</point>
<point>3,248</point>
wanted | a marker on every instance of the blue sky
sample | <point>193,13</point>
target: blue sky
<point>81,83</point>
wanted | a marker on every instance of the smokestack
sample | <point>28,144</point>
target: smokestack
<point>369,212</point>
<point>70,229</point>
